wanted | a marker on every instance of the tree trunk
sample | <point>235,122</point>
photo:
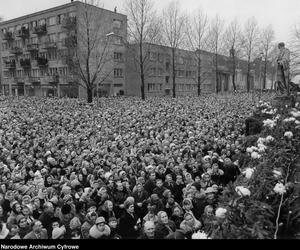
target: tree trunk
<point>265,75</point>
<point>217,79</point>
<point>199,76</point>
<point>174,72</point>
<point>248,78</point>
<point>233,74</point>
<point>142,72</point>
<point>143,86</point>
<point>89,95</point>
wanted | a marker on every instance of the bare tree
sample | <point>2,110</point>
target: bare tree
<point>267,39</point>
<point>232,39</point>
<point>173,25</point>
<point>216,43</point>
<point>295,51</point>
<point>143,29</point>
<point>196,31</point>
<point>89,48</point>
<point>250,45</point>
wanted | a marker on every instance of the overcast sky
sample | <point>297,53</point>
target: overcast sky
<point>281,14</point>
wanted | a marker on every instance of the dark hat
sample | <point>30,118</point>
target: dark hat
<point>66,209</point>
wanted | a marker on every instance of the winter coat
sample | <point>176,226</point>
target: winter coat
<point>94,232</point>
<point>162,231</point>
<point>127,223</point>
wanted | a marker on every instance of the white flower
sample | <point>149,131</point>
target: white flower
<point>295,113</point>
<point>291,119</point>
<point>254,148</point>
<point>279,188</point>
<point>297,104</point>
<point>200,236</point>
<point>261,148</point>
<point>269,123</point>
<point>248,173</point>
<point>288,134</point>
<point>242,191</point>
<point>220,212</point>
<point>270,138</point>
<point>255,155</point>
<point>249,150</point>
<point>297,122</point>
<point>261,140</point>
<point>277,173</point>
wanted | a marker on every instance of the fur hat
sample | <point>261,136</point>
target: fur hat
<point>100,220</point>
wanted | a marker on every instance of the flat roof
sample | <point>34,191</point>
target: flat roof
<point>67,5</point>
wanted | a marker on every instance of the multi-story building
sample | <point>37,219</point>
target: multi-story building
<point>35,52</point>
<point>158,73</point>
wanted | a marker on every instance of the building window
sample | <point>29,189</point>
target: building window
<point>118,73</point>
<point>152,56</point>
<point>5,46</point>
<point>53,72</point>
<point>35,73</point>
<point>151,87</point>
<point>52,38</point>
<point>160,72</point>
<point>60,18</point>
<point>52,20</point>
<point>42,22</point>
<point>117,24</point>
<point>118,85</point>
<point>117,40</point>
<point>52,54</point>
<point>118,56</point>
<point>160,57</point>
<point>63,71</point>
<point>33,24</point>
<point>152,72</point>
<point>34,40</point>
<point>62,36</point>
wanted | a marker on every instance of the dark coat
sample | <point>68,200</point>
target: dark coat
<point>127,223</point>
<point>161,231</point>
<point>32,236</point>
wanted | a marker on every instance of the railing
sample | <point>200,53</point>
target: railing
<point>69,23</point>
<point>49,45</point>
<point>8,36</point>
<point>52,79</point>
<point>18,79</point>
<point>23,33</point>
<point>25,63</point>
<point>16,50</point>
<point>69,42</point>
<point>32,47</point>
<point>34,79</point>
<point>10,64</point>
<point>40,30</point>
<point>42,62</point>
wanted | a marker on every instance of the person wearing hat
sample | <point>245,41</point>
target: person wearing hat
<point>129,222</point>
<point>190,225</point>
<point>46,217</point>
<point>148,231</point>
<point>100,230</point>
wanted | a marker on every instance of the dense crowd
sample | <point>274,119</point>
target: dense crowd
<point>125,168</point>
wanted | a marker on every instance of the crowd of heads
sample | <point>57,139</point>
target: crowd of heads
<point>125,168</point>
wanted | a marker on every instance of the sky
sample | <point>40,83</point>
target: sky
<point>282,15</point>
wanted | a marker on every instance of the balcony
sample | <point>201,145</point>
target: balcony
<point>10,64</point>
<point>25,63</point>
<point>49,45</point>
<point>8,36</point>
<point>40,30</point>
<point>33,79</point>
<point>23,33</point>
<point>52,79</point>
<point>16,51</point>
<point>69,23</point>
<point>32,47</point>
<point>42,62</point>
<point>18,79</point>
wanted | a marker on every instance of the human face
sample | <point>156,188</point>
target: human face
<point>159,184</point>
<point>113,224</point>
<point>37,203</point>
<point>22,223</point>
<point>37,228</point>
<point>101,227</point>
<point>164,218</point>
<point>55,225</point>
<point>131,209</point>
<point>110,206</point>
<point>149,230</point>
<point>189,220</point>
<point>26,211</point>
<point>177,211</point>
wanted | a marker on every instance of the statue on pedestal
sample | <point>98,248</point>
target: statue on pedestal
<point>283,69</point>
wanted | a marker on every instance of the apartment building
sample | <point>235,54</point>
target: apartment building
<point>158,72</point>
<point>35,52</point>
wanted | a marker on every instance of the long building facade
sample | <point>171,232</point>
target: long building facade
<point>37,59</point>
<point>34,53</point>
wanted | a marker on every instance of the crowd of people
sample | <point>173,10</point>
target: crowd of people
<point>125,168</point>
